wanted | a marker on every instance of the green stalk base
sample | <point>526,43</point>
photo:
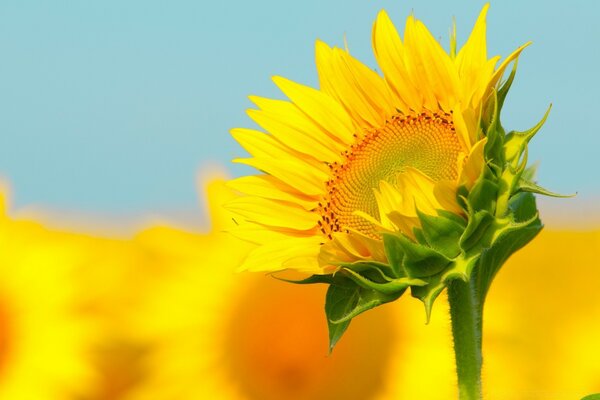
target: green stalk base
<point>465,312</point>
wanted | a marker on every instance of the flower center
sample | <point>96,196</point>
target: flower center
<point>425,141</point>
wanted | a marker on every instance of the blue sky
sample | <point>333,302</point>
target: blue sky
<point>114,106</point>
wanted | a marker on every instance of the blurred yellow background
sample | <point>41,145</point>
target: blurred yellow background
<point>164,315</point>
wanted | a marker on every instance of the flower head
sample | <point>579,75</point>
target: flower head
<point>364,153</point>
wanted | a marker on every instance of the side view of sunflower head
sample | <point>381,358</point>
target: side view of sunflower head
<point>374,183</point>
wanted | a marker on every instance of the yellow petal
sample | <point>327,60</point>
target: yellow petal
<point>299,175</point>
<point>259,234</point>
<point>473,55</point>
<point>273,213</point>
<point>350,247</point>
<point>259,144</point>
<point>389,52</point>
<point>273,256</point>
<point>474,67</point>
<point>430,67</point>
<point>445,194</point>
<point>290,126</point>
<point>388,200</point>
<point>500,71</point>
<point>416,190</point>
<point>481,85</point>
<point>320,107</point>
<point>361,91</point>
<point>404,223</point>
<point>271,188</point>
<point>474,165</point>
<point>466,132</point>
<point>375,90</point>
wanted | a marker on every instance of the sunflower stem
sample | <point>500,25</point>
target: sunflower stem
<point>465,312</point>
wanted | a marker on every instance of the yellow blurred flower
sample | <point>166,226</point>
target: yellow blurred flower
<point>43,338</point>
<point>113,286</point>
<point>360,155</point>
<point>543,341</point>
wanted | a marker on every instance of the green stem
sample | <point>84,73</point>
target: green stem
<point>465,312</point>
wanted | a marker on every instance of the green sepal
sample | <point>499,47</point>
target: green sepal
<point>461,268</point>
<point>461,198</point>
<point>494,147</point>
<point>339,301</point>
<point>379,271</point>
<point>523,207</point>
<point>505,87</point>
<point>494,107</point>
<point>394,253</point>
<point>477,228</point>
<point>419,261</point>
<point>441,232</point>
<point>359,301</point>
<point>516,142</point>
<point>484,193</point>
<point>512,236</point>
<point>345,300</point>
<point>525,185</point>
<point>308,281</point>
<point>390,287</point>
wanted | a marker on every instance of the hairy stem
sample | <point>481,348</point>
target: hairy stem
<point>465,312</point>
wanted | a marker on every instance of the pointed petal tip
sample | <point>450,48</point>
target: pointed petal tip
<point>321,44</point>
<point>382,14</point>
<point>280,80</point>
<point>484,10</point>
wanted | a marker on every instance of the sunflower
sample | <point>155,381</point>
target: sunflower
<point>43,339</point>
<point>365,153</point>
<point>219,335</point>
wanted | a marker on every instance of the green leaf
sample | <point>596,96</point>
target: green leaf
<point>442,233</point>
